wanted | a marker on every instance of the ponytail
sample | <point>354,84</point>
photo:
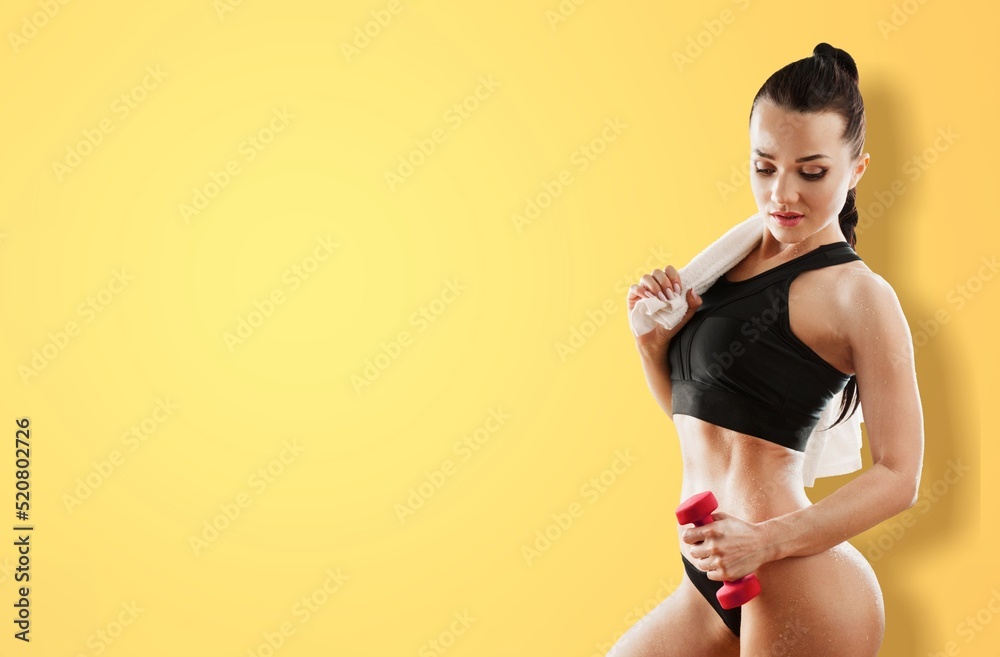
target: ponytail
<point>849,217</point>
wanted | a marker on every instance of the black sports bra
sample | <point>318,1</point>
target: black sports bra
<point>737,364</point>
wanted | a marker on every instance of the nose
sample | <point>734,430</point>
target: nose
<point>783,189</point>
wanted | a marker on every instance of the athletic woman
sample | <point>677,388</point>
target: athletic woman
<point>798,320</point>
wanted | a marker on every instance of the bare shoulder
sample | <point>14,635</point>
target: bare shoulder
<point>861,291</point>
<point>868,313</point>
<point>850,288</point>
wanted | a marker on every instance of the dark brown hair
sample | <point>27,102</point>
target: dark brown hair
<point>825,82</point>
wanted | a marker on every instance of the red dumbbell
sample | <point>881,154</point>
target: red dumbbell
<point>697,510</point>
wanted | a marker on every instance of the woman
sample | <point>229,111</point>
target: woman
<point>743,424</point>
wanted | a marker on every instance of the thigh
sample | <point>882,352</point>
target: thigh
<point>825,605</point>
<point>683,625</point>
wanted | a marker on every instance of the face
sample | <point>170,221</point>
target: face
<point>800,165</point>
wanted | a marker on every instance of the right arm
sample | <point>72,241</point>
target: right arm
<point>657,370</point>
<point>652,346</point>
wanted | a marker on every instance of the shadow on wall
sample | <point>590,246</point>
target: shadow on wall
<point>902,160</point>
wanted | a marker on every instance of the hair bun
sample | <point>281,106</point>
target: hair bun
<point>844,60</point>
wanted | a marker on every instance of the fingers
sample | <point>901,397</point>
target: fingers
<point>673,278</point>
<point>713,530</point>
<point>700,552</point>
<point>664,284</point>
<point>692,536</point>
<point>667,285</point>
<point>658,283</point>
<point>711,564</point>
<point>709,561</point>
<point>721,571</point>
<point>645,289</point>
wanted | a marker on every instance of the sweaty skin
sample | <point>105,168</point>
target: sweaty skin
<point>756,480</point>
<point>820,596</point>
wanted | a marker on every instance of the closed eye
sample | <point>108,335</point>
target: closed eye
<point>807,176</point>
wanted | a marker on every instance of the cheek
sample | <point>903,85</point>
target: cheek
<point>830,193</point>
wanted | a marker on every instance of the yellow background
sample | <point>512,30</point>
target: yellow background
<point>654,196</point>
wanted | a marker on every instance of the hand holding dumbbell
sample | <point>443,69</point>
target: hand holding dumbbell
<point>697,510</point>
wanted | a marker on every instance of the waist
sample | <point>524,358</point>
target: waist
<point>770,411</point>
<point>751,478</point>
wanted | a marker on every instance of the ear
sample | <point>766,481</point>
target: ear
<point>859,169</point>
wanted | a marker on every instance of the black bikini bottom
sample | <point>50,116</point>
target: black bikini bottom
<point>708,589</point>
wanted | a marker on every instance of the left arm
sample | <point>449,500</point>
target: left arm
<point>882,352</point>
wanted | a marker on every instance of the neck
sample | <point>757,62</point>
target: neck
<point>770,246</point>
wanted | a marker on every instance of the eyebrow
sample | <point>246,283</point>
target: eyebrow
<point>801,159</point>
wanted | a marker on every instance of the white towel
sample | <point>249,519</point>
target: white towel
<point>829,452</point>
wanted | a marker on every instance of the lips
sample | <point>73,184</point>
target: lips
<point>787,219</point>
